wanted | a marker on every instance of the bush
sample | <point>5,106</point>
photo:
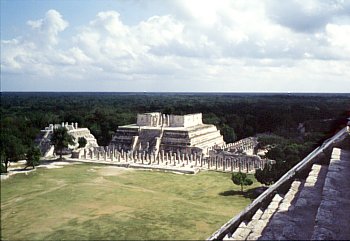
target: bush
<point>241,179</point>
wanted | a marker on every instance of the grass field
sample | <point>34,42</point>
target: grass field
<point>98,202</point>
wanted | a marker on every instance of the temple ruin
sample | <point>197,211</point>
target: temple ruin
<point>43,140</point>
<point>155,132</point>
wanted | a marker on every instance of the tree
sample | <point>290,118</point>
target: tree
<point>241,179</point>
<point>82,142</point>
<point>11,148</point>
<point>276,153</point>
<point>228,133</point>
<point>61,139</point>
<point>285,155</point>
<point>265,176</point>
<point>33,157</point>
<point>3,168</point>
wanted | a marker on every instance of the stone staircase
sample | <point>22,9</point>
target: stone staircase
<point>333,215</point>
<point>317,207</point>
<point>147,139</point>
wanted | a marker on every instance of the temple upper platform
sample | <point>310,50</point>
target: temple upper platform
<point>157,119</point>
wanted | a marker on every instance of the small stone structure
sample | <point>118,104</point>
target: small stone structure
<point>44,143</point>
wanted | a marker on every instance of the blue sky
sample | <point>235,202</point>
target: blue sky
<point>192,45</point>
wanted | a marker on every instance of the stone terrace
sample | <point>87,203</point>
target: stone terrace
<point>315,205</point>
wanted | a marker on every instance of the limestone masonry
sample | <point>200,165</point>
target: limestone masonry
<point>180,143</point>
<point>309,202</point>
<point>155,132</point>
<point>43,139</point>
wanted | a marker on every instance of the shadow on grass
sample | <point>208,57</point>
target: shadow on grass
<point>24,169</point>
<point>251,193</point>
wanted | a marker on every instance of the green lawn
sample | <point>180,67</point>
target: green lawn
<point>97,202</point>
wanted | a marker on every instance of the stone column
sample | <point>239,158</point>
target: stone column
<point>133,158</point>
<point>106,151</point>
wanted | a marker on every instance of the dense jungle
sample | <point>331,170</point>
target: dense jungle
<point>293,124</point>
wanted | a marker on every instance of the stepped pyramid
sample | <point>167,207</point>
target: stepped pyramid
<point>154,132</point>
<point>310,202</point>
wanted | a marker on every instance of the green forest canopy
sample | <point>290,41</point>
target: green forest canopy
<point>236,115</point>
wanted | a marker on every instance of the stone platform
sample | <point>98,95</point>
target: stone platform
<point>309,202</point>
<point>315,208</point>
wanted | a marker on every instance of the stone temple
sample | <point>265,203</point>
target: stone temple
<point>44,143</point>
<point>154,132</point>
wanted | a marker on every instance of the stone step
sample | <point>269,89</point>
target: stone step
<point>332,220</point>
<point>294,215</point>
<point>301,215</point>
<point>258,221</point>
<point>243,225</point>
<point>281,218</point>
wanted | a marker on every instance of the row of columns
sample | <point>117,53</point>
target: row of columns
<point>246,164</point>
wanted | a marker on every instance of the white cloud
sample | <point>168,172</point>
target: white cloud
<point>206,46</point>
<point>339,37</point>
<point>49,27</point>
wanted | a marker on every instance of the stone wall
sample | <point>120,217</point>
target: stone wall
<point>150,119</point>
<point>185,120</point>
<point>157,119</point>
